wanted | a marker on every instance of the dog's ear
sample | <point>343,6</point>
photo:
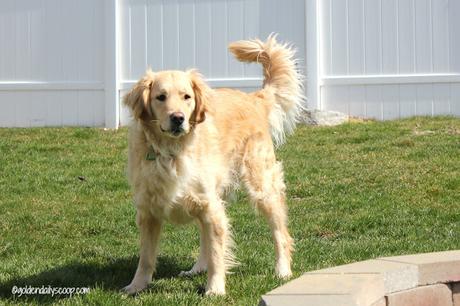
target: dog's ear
<point>138,98</point>
<point>202,93</point>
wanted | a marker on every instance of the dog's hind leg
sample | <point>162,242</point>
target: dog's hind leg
<point>217,245</point>
<point>263,177</point>
<point>201,264</point>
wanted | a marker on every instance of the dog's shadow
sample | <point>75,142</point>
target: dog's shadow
<point>111,275</point>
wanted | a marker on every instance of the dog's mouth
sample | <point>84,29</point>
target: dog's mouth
<point>174,132</point>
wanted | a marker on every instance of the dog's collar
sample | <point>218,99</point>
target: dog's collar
<point>151,154</point>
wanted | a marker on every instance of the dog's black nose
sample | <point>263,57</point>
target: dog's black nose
<point>177,118</point>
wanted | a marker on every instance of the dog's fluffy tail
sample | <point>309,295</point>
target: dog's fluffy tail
<point>281,77</point>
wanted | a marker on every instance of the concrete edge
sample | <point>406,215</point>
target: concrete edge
<point>349,284</point>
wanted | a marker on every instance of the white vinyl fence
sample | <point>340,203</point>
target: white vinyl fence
<point>388,59</point>
<point>68,62</point>
<point>182,34</point>
<point>52,63</point>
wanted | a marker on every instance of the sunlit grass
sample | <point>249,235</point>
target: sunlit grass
<point>355,191</point>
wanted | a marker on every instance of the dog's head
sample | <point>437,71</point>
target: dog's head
<point>173,101</point>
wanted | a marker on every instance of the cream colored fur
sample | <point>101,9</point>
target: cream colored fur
<point>226,138</point>
<point>281,77</point>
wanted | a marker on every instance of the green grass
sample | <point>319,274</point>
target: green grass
<point>355,192</point>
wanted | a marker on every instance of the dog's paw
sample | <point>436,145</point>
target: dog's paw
<point>283,272</point>
<point>134,288</point>
<point>187,273</point>
<point>215,291</point>
<point>191,272</point>
<point>198,268</point>
<point>215,288</point>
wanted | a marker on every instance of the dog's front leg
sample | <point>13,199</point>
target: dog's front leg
<point>215,232</point>
<point>150,229</point>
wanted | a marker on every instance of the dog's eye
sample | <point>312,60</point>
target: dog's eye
<point>161,98</point>
<point>186,97</point>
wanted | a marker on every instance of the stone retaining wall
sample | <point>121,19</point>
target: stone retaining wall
<point>430,279</point>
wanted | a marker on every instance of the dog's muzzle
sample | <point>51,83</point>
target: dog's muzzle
<point>177,119</point>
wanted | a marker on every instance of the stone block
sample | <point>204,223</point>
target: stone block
<point>328,289</point>
<point>456,294</point>
<point>438,267</point>
<point>396,276</point>
<point>432,295</point>
<point>381,302</point>
<point>306,300</point>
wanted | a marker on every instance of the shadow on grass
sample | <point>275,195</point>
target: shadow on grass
<point>108,275</point>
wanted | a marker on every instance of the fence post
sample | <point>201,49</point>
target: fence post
<point>312,16</point>
<point>111,86</point>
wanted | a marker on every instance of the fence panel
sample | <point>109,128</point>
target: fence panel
<point>51,63</point>
<point>66,62</point>
<point>182,34</point>
<point>388,59</point>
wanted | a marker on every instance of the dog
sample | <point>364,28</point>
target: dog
<point>190,144</point>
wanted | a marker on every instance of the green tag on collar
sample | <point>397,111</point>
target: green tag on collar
<point>151,155</point>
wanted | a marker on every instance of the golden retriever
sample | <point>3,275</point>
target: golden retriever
<point>189,144</point>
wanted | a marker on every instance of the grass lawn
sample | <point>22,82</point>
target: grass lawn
<point>355,192</point>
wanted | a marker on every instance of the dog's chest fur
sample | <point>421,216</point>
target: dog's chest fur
<point>178,188</point>
<point>168,182</point>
